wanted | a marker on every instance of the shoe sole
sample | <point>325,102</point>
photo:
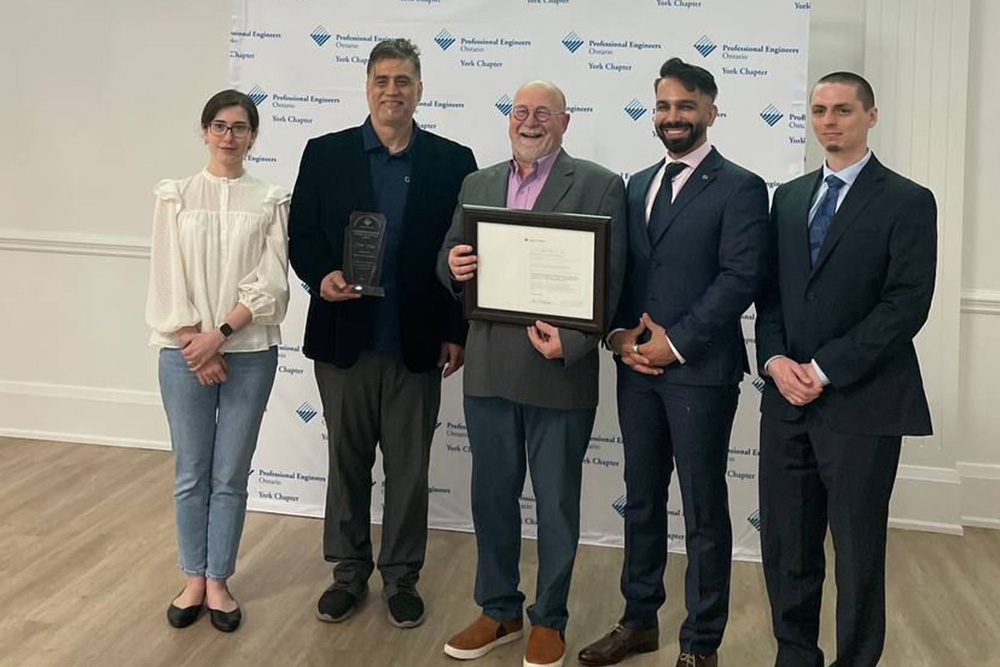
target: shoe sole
<point>327,618</point>
<point>473,653</point>
<point>404,624</point>
<point>557,663</point>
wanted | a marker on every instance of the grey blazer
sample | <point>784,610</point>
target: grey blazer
<point>499,359</point>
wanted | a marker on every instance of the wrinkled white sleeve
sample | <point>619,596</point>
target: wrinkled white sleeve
<point>168,307</point>
<point>265,290</point>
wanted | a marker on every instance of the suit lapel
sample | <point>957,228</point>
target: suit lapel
<point>362,175</point>
<point>637,208</point>
<point>556,185</point>
<point>798,205</point>
<point>698,181</point>
<point>867,185</point>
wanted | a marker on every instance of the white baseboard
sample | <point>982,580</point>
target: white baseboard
<point>83,439</point>
<point>980,505</point>
<point>927,526</point>
<point>87,415</point>
<point>928,499</point>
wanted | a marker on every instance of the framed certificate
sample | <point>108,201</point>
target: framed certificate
<point>537,266</point>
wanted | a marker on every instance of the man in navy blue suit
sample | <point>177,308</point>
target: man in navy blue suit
<point>696,234</point>
<point>849,280</point>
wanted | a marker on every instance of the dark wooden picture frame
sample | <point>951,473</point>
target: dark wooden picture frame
<point>595,224</point>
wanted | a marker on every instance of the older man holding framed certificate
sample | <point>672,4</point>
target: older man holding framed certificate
<point>531,387</point>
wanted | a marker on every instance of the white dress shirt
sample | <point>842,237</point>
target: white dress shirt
<point>218,242</point>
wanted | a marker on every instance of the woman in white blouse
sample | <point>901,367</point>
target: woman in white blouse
<point>218,290</point>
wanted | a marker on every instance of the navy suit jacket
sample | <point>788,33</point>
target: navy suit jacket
<point>858,308</point>
<point>334,180</point>
<point>701,273</point>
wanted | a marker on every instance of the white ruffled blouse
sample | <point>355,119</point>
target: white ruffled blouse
<point>218,242</point>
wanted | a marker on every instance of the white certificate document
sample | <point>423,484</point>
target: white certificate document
<point>535,269</point>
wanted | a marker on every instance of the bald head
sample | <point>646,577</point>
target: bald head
<point>544,87</point>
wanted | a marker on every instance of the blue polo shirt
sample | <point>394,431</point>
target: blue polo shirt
<point>390,183</point>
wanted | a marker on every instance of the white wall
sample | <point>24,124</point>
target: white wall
<point>102,99</point>
<point>979,412</point>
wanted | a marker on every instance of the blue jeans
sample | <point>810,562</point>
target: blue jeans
<point>213,432</point>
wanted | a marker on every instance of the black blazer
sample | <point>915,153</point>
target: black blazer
<point>702,272</point>
<point>857,310</point>
<point>334,180</point>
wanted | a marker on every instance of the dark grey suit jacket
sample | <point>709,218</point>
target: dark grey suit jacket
<point>499,359</point>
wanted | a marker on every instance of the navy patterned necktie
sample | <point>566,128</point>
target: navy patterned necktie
<point>663,198</point>
<point>824,214</point>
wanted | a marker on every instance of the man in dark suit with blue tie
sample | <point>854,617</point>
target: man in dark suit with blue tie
<point>696,232</point>
<point>849,280</point>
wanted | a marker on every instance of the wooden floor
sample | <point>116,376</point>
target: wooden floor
<point>87,557</point>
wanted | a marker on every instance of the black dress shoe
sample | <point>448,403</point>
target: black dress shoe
<point>226,621</point>
<point>181,618</point>
<point>618,644</point>
<point>686,659</point>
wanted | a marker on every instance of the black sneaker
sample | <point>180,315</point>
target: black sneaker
<point>406,609</point>
<point>337,604</point>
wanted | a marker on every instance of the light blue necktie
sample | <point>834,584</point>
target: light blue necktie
<point>824,214</point>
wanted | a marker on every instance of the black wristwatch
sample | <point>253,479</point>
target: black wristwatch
<point>226,330</point>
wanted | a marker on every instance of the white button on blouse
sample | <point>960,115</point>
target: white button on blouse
<point>218,242</point>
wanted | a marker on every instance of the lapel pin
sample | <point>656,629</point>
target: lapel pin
<point>704,177</point>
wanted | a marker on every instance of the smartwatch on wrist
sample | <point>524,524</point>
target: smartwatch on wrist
<point>226,330</point>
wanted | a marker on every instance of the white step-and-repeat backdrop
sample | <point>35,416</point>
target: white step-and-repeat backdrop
<point>303,64</point>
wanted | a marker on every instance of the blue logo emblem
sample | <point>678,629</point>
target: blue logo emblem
<point>306,412</point>
<point>758,383</point>
<point>320,35</point>
<point>754,520</point>
<point>635,109</point>
<point>504,105</point>
<point>257,95</point>
<point>618,504</point>
<point>771,115</point>
<point>704,46</point>
<point>444,39</point>
<point>572,42</point>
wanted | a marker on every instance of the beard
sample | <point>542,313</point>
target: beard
<point>683,144</point>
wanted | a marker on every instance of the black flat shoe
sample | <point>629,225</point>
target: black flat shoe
<point>226,621</point>
<point>181,618</point>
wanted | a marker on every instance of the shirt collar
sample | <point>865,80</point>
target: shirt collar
<point>694,158</point>
<point>371,141</point>
<point>541,166</point>
<point>850,173</point>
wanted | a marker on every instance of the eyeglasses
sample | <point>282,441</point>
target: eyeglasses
<point>219,129</point>
<point>541,114</point>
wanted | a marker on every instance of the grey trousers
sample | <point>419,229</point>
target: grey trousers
<point>507,438</point>
<point>377,402</point>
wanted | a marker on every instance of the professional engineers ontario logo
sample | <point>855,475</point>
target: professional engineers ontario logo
<point>771,115</point>
<point>320,35</point>
<point>618,505</point>
<point>257,95</point>
<point>635,110</point>
<point>444,39</point>
<point>306,412</point>
<point>572,42</point>
<point>504,105</point>
<point>704,46</point>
